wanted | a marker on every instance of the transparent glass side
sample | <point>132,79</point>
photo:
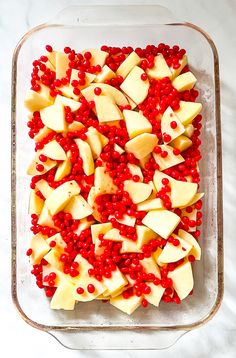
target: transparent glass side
<point>208,272</point>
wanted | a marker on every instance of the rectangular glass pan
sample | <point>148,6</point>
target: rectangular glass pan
<point>98,325</point>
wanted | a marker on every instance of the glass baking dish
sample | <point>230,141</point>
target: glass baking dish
<point>97,325</point>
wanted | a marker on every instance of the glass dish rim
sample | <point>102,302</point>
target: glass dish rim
<point>220,260</point>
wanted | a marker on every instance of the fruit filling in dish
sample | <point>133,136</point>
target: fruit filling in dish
<point>115,203</point>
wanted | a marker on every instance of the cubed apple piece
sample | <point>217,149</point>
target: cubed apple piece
<point>128,305</point>
<point>39,248</point>
<point>103,182</point>
<point>128,64</point>
<point>129,246</point>
<point>74,106</point>
<point>189,130</point>
<point>185,81</point>
<point>59,242</point>
<point>176,71</point>
<point>61,196</point>
<point>138,192</point>
<point>163,222</point>
<point>116,281</point>
<point>150,266</point>
<point>68,91</point>
<point>169,120</point>
<point>169,160</point>
<point>83,225</point>
<point>33,167</point>
<point>89,77</point>
<point>86,155</point>
<point>94,141</point>
<point>105,75</point>
<point>135,170</point>
<point>160,68</point>
<point>182,193</point>
<point>63,170</point>
<point>157,179</point>
<point>125,220</point>
<point>154,297</point>
<point>78,208</point>
<point>75,126</point>
<point>188,111</point>
<point>182,143</point>
<point>136,123</point>
<point>62,64</point>
<point>144,235</point>
<point>196,249</point>
<point>34,101</point>
<point>54,150</point>
<point>35,203</point>
<point>141,145</point>
<point>43,132</point>
<point>107,110</point>
<point>83,282</point>
<point>98,229</point>
<point>134,87</point>
<point>182,278</point>
<point>150,204</point>
<point>54,117</point>
<point>98,56</point>
<point>114,235</point>
<point>172,253</point>
<point>53,258</point>
<point>63,298</point>
<point>45,218</point>
<point>43,186</point>
<point>144,161</point>
<point>196,197</point>
<point>84,265</point>
<point>131,103</point>
<point>107,90</point>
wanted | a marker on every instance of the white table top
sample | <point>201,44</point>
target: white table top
<point>217,338</point>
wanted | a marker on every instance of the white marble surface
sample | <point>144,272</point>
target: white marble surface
<point>217,338</point>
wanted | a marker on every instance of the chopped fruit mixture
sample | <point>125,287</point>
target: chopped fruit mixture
<point>114,201</point>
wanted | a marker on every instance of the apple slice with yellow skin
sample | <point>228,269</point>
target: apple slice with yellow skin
<point>157,179</point>
<point>98,229</point>
<point>126,305</point>
<point>136,123</point>
<point>75,126</point>
<point>196,197</point>
<point>126,220</point>
<point>74,106</point>
<point>114,235</point>
<point>89,77</point>
<point>129,246</point>
<point>86,155</point>
<point>54,117</point>
<point>150,204</point>
<point>182,193</point>
<point>32,168</point>
<point>116,281</point>
<point>103,182</point>
<point>78,208</point>
<point>93,194</point>
<point>45,218</point>
<point>135,170</point>
<point>43,132</point>
<point>150,266</point>
<point>144,235</point>
<point>142,145</point>
<point>94,140</point>
<point>61,196</point>
<point>188,111</point>
<point>171,253</point>
<point>176,71</point>
<point>83,225</point>
<point>53,258</point>
<point>98,56</point>
<point>62,64</point>
<point>138,192</point>
<point>196,249</point>
<point>160,68</point>
<point>118,149</point>
<point>168,117</point>
<point>163,222</point>
<point>63,298</point>
<point>63,169</point>
<point>182,143</point>
<point>43,186</point>
<point>39,247</point>
<point>185,81</point>
<point>182,278</point>
<point>170,160</point>
<point>54,150</point>
<point>107,90</point>
<point>154,297</point>
<point>68,91</point>
<point>128,64</point>
<point>134,87</point>
<point>106,109</point>
<point>189,130</point>
<point>105,75</point>
<point>60,243</point>
<point>35,203</point>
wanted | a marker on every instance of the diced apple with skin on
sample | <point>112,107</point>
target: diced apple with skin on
<point>144,235</point>
<point>45,218</point>
<point>45,189</point>
<point>61,196</point>
<point>136,123</point>
<point>107,90</point>
<point>126,305</point>
<point>176,71</point>
<point>150,266</point>
<point>185,81</point>
<point>60,243</point>
<point>106,109</point>
<point>54,117</point>
<point>154,297</point>
<point>74,106</point>
<point>32,168</point>
<point>35,203</point>
<point>86,155</point>
<point>182,143</point>
<point>116,281</point>
<point>137,191</point>
<point>134,87</point>
<point>142,145</point>
<point>39,248</point>
<point>182,193</point>
<point>168,117</point>
<point>171,253</point>
<point>54,150</point>
<point>188,111</point>
<point>189,130</point>
<point>63,298</point>
<point>78,208</point>
<point>89,77</point>
<point>105,74</point>
<point>98,56</point>
<point>170,160</point>
<point>196,249</point>
<point>182,278</point>
<point>135,170</point>
<point>103,182</point>
<point>163,222</point>
<point>94,140</point>
<point>160,68</point>
<point>43,132</point>
<point>62,65</point>
<point>150,204</point>
<point>131,60</point>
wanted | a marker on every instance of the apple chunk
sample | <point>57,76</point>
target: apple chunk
<point>172,253</point>
<point>78,208</point>
<point>150,204</point>
<point>34,101</point>
<point>98,229</point>
<point>185,81</point>
<point>182,193</point>
<point>154,297</point>
<point>107,110</point>
<point>54,117</point>
<point>136,123</point>
<point>89,77</point>
<point>86,155</point>
<point>157,179</point>
<point>134,86</point>
<point>196,249</point>
<point>144,235</point>
<point>168,117</point>
<point>150,266</point>
<point>35,203</point>
<point>107,90</point>
<point>43,132</point>
<point>98,56</point>
<point>135,170</point>
<point>182,143</point>
<point>163,222</point>
<point>54,151</point>
<point>105,74</point>
<point>160,68</point>
<point>141,145</point>
<point>182,278</point>
<point>137,191</point>
<point>45,189</point>
<point>176,71</point>
<point>74,106</point>
<point>169,160</point>
<point>128,64</point>
<point>116,281</point>
<point>32,168</point>
<point>63,169</point>
<point>94,140</point>
<point>62,64</point>
<point>188,111</point>
<point>45,218</point>
<point>39,247</point>
<point>126,305</point>
<point>103,182</point>
<point>63,298</point>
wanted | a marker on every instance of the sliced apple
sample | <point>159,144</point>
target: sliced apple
<point>163,222</point>
<point>137,191</point>
<point>52,57</point>
<point>170,160</point>
<point>107,90</point>
<point>75,126</point>
<point>189,130</point>
<point>176,71</point>
<point>94,141</point>
<point>62,64</point>
<point>142,145</point>
<point>134,86</point>
<point>78,208</point>
<point>144,235</point>
<point>63,298</point>
<point>118,149</point>
<point>116,281</point>
<point>83,282</point>
<point>53,258</point>
<point>126,220</point>
<point>155,256</point>
<point>61,196</point>
<point>35,203</point>
<point>184,82</point>
<point>182,278</point>
<point>86,155</point>
<point>114,235</point>
<point>128,64</point>
<point>54,117</point>
<point>172,253</point>
<point>188,111</point>
<point>136,123</point>
<point>103,182</point>
<point>68,91</point>
<point>196,249</point>
<point>45,218</point>
<point>131,103</point>
<point>135,170</point>
<point>191,216</point>
<point>60,243</point>
<point>168,117</point>
<point>182,193</point>
<point>74,106</point>
<point>54,150</point>
<point>32,168</point>
<point>43,132</point>
<point>160,68</point>
<point>89,77</point>
<point>39,247</point>
<point>98,56</point>
<point>34,101</point>
<point>60,276</point>
<point>196,197</point>
<point>182,143</point>
<point>98,229</point>
<point>107,110</point>
<point>144,160</point>
<point>150,204</point>
<point>128,305</point>
<point>105,75</point>
<point>93,193</point>
<point>83,225</point>
<point>43,186</point>
<point>129,246</point>
<point>154,297</point>
<point>104,140</point>
<point>63,169</point>
<point>157,179</point>
<point>150,266</point>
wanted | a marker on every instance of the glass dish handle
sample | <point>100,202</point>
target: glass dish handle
<point>117,340</point>
<point>112,15</point>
